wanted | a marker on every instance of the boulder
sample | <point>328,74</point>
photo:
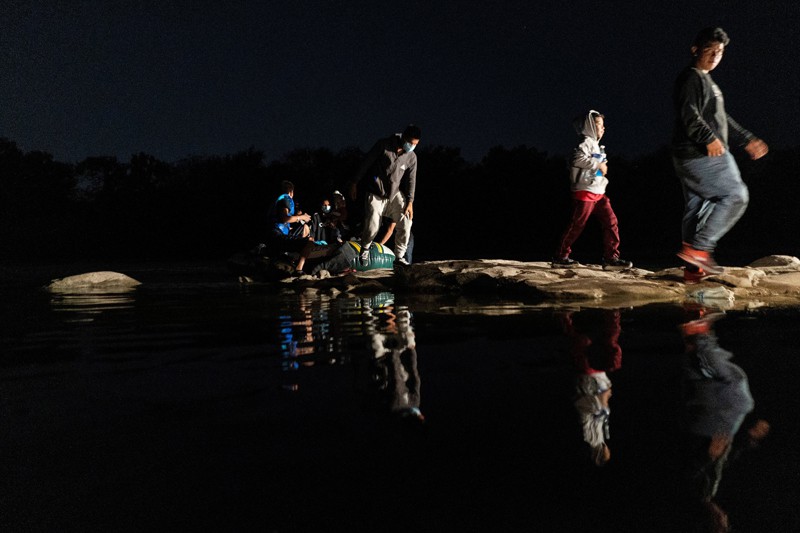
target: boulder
<point>786,261</point>
<point>92,282</point>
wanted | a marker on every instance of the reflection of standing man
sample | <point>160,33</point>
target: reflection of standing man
<point>389,373</point>
<point>396,347</point>
<point>389,164</point>
<point>713,190</point>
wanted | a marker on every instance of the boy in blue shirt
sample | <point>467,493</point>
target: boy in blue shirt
<point>281,237</point>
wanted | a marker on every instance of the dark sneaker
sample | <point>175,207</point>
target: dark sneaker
<point>401,261</point>
<point>700,258</point>
<point>564,262</point>
<point>363,257</point>
<point>695,275</point>
<point>616,263</point>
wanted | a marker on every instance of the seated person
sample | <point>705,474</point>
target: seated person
<point>325,224</point>
<point>340,212</point>
<point>282,237</point>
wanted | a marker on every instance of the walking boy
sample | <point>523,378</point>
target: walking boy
<point>714,194</point>
<point>588,183</point>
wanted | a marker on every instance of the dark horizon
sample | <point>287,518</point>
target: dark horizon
<point>512,205</point>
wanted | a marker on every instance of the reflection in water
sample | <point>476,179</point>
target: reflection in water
<point>83,307</point>
<point>296,331</point>
<point>84,315</point>
<point>716,401</point>
<point>594,347</point>
<point>387,373</point>
<point>306,334</point>
<point>374,332</point>
<point>190,381</point>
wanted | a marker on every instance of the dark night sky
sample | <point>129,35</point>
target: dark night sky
<point>176,79</point>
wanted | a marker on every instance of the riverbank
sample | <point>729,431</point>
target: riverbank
<point>773,281</point>
<point>770,281</point>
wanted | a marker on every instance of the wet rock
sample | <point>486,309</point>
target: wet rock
<point>777,281</point>
<point>741,277</point>
<point>367,281</point>
<point>93,281</point>
<point>534,280</point>
<point>777,261</point>
<point>717,296</point>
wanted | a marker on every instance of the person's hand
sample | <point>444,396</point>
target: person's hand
<point>409,212</point>
<point>353,191</point>
<point>756,148</point>
<point>303,217</point>
<point>715,148</point>
<point>603,167</point>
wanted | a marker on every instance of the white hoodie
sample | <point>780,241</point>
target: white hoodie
<point>587,158</point>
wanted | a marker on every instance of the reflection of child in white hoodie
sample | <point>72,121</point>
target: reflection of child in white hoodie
<point>588,184</point>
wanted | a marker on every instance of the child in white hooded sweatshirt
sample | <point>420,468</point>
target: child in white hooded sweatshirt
<point>588,184</point>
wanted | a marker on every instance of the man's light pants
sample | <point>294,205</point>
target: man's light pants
<point>376,207</point>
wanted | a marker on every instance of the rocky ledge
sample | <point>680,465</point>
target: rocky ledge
<point>773,280</point>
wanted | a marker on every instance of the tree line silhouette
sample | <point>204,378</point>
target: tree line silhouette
<point>512,204</point>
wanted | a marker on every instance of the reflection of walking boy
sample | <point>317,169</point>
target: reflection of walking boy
<point>714,194</point>
<point>390,163</point>
<point>588,184</point>
<point>596,352</point>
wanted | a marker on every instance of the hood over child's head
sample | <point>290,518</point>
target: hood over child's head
<point>587,125</point>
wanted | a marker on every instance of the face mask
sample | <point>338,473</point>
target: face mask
<point>408,147</point>
<point>326,209</point>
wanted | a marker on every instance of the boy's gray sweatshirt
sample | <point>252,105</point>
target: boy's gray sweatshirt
<point>587,157</point>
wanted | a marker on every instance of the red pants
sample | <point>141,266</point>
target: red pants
<point>581,211</point>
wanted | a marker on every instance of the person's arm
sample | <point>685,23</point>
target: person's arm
<point>582,158</point>
<point>389,231</point>
<point>737,133</point>
<point>409,212</point>
<point>690,101</point>
<point>754,146</point>
<point>284,216</point>
<point>411,174</point>
<point>369,161</point>
<point>412,189</point>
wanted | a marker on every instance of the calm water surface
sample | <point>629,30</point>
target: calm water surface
<point>213,406</point>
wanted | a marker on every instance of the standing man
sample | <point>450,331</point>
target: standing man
<point>390,170</point>
<point>714,194</point>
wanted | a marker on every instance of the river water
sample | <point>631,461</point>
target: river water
<point>189,405</point>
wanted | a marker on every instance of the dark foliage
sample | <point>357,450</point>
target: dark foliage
<point>513,204</point>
